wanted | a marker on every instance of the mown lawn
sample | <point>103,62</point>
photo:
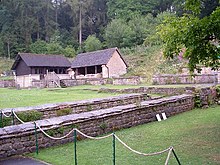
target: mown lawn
<point>195,136</point>
<point>11,98</point>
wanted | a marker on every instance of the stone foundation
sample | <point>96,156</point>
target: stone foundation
<point>185,79</point>
<point>52,110</point>
<point>19,139</point>
<point>207,95</point>
<point>7,83</point>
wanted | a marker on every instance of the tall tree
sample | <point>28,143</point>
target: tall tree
<point>199,37</point>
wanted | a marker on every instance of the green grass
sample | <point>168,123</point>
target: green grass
<point>11,98</point>
<point>195,136</point>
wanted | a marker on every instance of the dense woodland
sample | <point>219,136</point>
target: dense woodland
<point>53,26</point>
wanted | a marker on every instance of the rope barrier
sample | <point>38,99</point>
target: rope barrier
<point>168,156</point>
<point>54,138</point>
<point>6,115</point>
<point>17,117</point>
<point>94,138</point>
<point>140,153</point>
<point>170,149</point>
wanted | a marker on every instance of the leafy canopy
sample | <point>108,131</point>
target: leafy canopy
<point>197,37</point>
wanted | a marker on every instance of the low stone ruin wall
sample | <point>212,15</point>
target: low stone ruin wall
<point>19,139</point>
<point>127,81</point>
<point>54,110</point>
<point>206,95</point>
<point>7,83</point>
<point>102,81</point>
<point>184,79</point>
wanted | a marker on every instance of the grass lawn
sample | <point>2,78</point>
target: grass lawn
<point>11,98</point>
<point>195,136</point>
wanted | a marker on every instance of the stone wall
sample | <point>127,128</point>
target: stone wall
<point>19,139</point>
<point>206,95</point>
<point>184,79</point>
<point>7,83</point>
<point>127,81</point>
<point>102,81</point>
<point>53,110</point>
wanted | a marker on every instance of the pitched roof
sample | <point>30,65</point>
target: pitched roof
<point>100,57</point>
<point>42,60</point>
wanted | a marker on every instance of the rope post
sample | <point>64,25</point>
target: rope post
<point>113,147</point>
<point>1,119</point>
<point>176,157</point>
<point>75,140</point>
<point>13,117</point>
<point>36,139</point>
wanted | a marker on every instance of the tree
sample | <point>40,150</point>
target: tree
<point>198,36</point>
<point>39,47</point>
<point>92,43</point>
<point>54,48</point>
<point>118,34</point>
<point>69,51</point>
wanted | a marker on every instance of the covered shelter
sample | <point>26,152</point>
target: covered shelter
<point>107,63</point>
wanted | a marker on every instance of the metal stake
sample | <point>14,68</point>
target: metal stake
<point>176,157</point>
<point>13,117</point>
<point>36,140</point>
<point>113,147</point>
<point>1,120</point>
<point>75,139</point>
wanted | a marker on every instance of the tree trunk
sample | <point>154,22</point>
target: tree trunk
<point>8,46</point>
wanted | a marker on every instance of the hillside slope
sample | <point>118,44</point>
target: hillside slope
<point>5,64</point>
<point>147,61</point>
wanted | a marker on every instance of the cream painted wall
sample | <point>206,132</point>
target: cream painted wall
<point>116,66</point>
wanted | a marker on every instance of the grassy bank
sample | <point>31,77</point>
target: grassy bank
<point>194,135</point>
<point>5,64</point>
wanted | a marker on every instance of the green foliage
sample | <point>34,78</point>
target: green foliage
<point>92,43</point>
<point>128,9</point>
<point>118,34</point>
<point>89,107</point>
<point>6,121</point>
<point>69,51</point>
<point>5,64</point>
<point>218,91</point>
<point>63,112</point>
<point>39,47</point>
<point>30,115</point>
<point>198,38</point>
<point>54,48</point>
<point>103,126</point>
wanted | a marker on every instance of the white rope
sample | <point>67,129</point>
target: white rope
<point>54,138</point>
<point>140,153</point>
<point>168,156</point>
<point>94,138</point>
<point>17,117</point>
<point>6,115</point>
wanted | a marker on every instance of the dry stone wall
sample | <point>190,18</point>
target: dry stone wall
<point>164,79</point>
<point>206,95</point>
<point>53,110</point>
<point>19,139</point>
<point>7,83</point>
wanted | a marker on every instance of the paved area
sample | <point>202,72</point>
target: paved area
<point>21,161</point>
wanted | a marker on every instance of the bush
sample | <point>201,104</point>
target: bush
<point>64,112</point>
<point>30,115</point>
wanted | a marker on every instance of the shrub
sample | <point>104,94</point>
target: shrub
<point>64,112</point>
<point>30,115</point>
